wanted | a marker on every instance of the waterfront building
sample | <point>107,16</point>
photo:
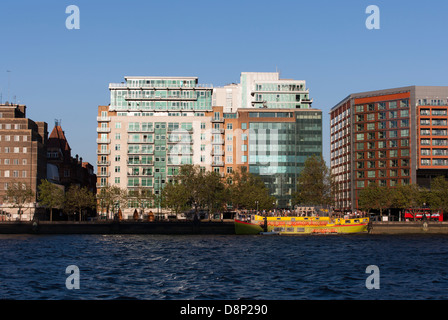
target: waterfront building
<point>391,137</point>
<point>154,125</point>
<point>22,156</point>
<point>63,168</point>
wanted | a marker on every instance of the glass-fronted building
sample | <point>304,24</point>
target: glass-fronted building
<point>154,125</point>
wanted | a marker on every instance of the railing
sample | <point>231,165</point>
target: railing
<point>103,119</point>
<point>103,174</point>
<point>106,130</point>
<point>141,141</point>
<point>163,85</point>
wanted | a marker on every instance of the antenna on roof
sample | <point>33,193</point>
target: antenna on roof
<point>9,81</point>
<point>57,122</point>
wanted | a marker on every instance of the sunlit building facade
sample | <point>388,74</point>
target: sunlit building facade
<point>391,137</point>
<point>154,125</point>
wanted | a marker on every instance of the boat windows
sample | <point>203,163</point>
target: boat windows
<point>300,229</point>
<point>356,221</point>
<point>293,219</point>
<point>290,229</point>
<point>347,221</point>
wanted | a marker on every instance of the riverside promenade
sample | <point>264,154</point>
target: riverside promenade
<point>216,227</point>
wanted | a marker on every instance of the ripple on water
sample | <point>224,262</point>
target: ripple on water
<point>223,267</point>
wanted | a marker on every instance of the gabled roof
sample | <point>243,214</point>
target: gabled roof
<point>58,140</point>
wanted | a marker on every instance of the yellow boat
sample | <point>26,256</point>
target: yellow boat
<point>300,225</point>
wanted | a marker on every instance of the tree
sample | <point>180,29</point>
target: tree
<point>248,191</point>
<point>314,184</point>
<point>374,197</point>
<point>50,196</point>
<point>438,195</point>
<point>18,194</point>
<point>211,191</point>
<point>110,197</point>
<point>141,197</point>
<point>408,197</point>
<point>176,197</point>
<point>78,199</point>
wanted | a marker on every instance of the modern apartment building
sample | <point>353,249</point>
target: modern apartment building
<point>22,156</point>
<point>391,137</point>
<point>154,125</point>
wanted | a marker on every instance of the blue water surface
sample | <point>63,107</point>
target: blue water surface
<point>159,267</point>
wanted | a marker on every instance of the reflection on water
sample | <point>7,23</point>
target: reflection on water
<point>223,267</point>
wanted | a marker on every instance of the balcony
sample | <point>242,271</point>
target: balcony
<point>103,163</point>
<point>141,141</point>
<point>221,120</point>
<point>103,174</point>
<point>103,130</point>
<point>140,174</point>
<point>101,152</point>
<point>103,119</point>
<point>217,152</point>
<point>139,163</point>
<point>102,141</point>
<point>218,164</point>
<point>181,141</point>
<point>218,141</point>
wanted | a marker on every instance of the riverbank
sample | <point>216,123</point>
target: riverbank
<point>187,227</point>
<point>114,227</point>
<point>409,227</point>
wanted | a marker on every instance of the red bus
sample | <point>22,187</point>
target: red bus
<point>421,212</point>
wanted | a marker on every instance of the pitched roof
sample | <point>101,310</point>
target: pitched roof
<point>58,140</point>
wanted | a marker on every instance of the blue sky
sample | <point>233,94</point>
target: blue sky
<point>64,74</point>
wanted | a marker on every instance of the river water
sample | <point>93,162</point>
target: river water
<point>159,267</point>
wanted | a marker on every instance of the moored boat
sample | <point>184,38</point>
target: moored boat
<point>301,225</point>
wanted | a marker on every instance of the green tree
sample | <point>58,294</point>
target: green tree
<point>18,194</point>
<point>438,195</point>
<point>112,197</point>
<point>176,197</point>
<point>248,191</point>
<point>374,197</point>
<point>314,184</point>
<point>408,197</point>
<point>212,193</point>
<point>51,196</point>
<point>77,199</point>
<point>141,197</point>
<point>192,178</point>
